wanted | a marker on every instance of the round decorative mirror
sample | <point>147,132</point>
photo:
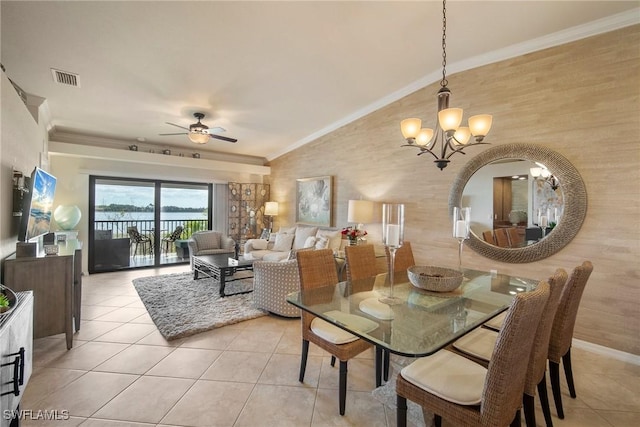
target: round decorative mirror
<point>548,213</point>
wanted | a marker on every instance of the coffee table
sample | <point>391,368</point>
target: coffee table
<point>219,267</point>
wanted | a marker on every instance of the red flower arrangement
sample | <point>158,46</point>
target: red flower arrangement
<point>352,233</point>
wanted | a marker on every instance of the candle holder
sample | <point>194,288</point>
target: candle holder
<point>392,238</point>
<point>461,227</point>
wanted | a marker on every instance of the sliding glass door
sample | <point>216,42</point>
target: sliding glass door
<point>143,223</point>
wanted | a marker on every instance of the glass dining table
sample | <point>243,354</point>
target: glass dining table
<point>422,322</point>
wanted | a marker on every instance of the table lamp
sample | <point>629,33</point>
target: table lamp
<point>271,210</point>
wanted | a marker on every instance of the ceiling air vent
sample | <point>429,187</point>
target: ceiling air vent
<point>65,78</point>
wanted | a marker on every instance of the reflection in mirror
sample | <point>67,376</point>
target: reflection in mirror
<point>569,198</point>
<point>509,205</point>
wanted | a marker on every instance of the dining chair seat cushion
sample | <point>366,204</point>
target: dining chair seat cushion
<point>330,333</point>
<point>373,307</point>
<point>478,343</point>
<point>496,322</point>
<point>352,321</point>
<point>449,376</point>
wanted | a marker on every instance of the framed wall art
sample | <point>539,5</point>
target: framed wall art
<point>314,198</point>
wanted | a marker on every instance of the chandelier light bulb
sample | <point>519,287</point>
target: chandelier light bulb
<point>410,128</point>
<point>424,137</point>
<point>450,119</point>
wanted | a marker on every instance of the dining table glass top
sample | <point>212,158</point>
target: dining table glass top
<point>422,322</point>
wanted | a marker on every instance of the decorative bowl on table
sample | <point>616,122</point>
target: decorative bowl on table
<point>435,279</point>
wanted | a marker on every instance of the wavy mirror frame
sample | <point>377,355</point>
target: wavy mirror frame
<point>573,189</point>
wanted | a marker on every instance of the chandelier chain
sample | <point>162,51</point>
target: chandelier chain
<point>444,82</point>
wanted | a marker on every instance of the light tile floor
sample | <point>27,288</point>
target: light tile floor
<point>122,372</point>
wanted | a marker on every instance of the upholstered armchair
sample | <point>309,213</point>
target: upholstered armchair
<point>210,243</point>
<point>272,282</point>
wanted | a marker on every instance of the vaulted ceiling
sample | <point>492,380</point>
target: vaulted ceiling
<point>274,74</point>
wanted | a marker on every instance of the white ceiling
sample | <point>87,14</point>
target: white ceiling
<point>274,74</point>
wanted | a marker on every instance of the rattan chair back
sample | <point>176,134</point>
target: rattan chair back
<point>487,235</point>
<point>538,361</point>
<point>506,374</point>
<point>565,320</point>
<point>515,238</point>
<point>502,238</point>
<point>361,261</point>
<point>404,257</point>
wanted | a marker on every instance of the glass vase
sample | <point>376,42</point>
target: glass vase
<point>392,238</point>
<point>461,228</point>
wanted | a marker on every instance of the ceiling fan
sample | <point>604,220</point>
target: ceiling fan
<point>199,133</point>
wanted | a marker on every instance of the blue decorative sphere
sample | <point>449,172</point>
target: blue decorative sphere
<point>67,217</point>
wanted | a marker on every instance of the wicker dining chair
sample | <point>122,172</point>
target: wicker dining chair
<point>466,393</point>
<point>361,261</point>
<point>479,344</point>
<point>562,332</point>
<point>316,269</point>
<point>404,257</point>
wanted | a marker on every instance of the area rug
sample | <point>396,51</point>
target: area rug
<point>181,306</point>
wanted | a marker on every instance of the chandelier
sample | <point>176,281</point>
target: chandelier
<point>543,174</point>
<point>449,137</point>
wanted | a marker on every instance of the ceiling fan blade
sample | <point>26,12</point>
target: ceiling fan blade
<point>224,138</point>
<point>216,129</point>
<point>181,133</point>
<point>173,124</point>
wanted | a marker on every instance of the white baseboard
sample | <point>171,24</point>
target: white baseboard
<point>606,351</point>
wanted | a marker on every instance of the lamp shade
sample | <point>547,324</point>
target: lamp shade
<point>410,127</point>
<point>271,208</point>
<point>360,211</point>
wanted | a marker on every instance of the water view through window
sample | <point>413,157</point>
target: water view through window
<point>141,223</point>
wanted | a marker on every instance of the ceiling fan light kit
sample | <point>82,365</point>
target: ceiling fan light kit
<point>198,138</point>
<point>199,133</point>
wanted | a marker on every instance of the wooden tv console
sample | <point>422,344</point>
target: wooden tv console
<point>56,281</point>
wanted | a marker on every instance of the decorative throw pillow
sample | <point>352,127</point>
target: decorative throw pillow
<point>311,240</point>
<point>283,242</point>
<point>301,236</point>
<point>272,237</point>
<point>259,244</point>
<point>291,230</point>
<point>322,242</point>
<point>334,236</point>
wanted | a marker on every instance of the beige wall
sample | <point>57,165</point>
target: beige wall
<point>579,99</point>
<point>21,142</point>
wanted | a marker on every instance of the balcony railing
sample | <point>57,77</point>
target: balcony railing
<point>119,228</point>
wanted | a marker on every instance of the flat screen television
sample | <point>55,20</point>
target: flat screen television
<point>37,209</point>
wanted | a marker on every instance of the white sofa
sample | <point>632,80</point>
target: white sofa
<point>280,244</point>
